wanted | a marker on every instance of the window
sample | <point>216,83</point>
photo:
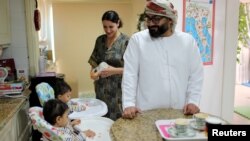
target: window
<point>46,34</point>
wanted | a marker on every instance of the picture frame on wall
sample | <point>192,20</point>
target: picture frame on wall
<point>198,20</point>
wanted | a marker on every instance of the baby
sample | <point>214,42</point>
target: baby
<point>63,93</point>
<point>56,113</point>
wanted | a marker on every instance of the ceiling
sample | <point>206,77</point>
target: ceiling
<point>92,1</point>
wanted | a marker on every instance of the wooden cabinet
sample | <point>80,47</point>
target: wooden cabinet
<point>5,37</point>
<point>7,133</point>
<point>18,128</point>
<point>23,124</point>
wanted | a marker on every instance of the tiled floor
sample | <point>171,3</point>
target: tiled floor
<point>242,97</point>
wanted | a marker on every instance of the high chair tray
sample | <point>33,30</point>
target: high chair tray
<point>100,125</point>
<point>94,107</point>
<point>166,129</point>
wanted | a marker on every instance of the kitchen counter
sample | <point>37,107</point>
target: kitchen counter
<point>143,128</point>
<point>9,106</point>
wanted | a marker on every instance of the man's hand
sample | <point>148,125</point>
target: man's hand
<point>130,112</point>
<point>190,109</point>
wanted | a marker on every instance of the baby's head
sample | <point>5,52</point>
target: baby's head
<point>56,112</point>
<point>62,91</point>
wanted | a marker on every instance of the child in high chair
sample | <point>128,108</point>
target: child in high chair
<point>63,93</point>
<point>56,113</point>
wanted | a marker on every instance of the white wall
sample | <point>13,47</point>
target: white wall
<point>231,42</point>
<point>219,81</point>
<point>18,47</point>
<point>75,33</point>
<point>212,91</point>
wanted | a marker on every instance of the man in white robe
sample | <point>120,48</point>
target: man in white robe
<point>163,67</point>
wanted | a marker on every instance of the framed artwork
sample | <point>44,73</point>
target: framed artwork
<point>198,20</point>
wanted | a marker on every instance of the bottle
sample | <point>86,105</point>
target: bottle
<point>42,64</point>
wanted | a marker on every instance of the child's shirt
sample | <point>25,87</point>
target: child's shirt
<point>71,134</point>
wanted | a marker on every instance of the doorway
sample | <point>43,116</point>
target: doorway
<point>242,85</point>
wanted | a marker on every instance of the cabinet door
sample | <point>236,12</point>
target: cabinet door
<point>18,127</point>
<point>4,22</point>
<point>23,125</point>
<point>8,133</point>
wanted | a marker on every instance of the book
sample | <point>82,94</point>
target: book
<point>11,88</point>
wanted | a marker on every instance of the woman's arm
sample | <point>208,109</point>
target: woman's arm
<point>111,71</point>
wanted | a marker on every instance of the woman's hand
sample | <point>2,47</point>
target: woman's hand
<point>111,71</point>
<point>107,72</point>
<point>94,75</point>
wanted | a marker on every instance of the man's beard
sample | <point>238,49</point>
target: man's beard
<point>156,31</point>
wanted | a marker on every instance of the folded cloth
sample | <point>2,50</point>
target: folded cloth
<point>101,66</point>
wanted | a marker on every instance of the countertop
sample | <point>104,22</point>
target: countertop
<point>9,106</point>
<point>143,128</point>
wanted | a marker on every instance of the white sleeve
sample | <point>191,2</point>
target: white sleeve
<point>130,73</point>
<point>196,76</point>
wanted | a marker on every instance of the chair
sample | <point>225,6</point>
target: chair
<point>44,92</point>
<point>49,132</point>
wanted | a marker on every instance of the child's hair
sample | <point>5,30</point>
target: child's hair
<point>52,109</point>
<point>61,88</point>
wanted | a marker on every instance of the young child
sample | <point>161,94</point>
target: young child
<point>56,113</point>
<point>63,93</point>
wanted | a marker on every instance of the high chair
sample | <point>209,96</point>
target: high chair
<point>44,92</point>
<point>49,132</point>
